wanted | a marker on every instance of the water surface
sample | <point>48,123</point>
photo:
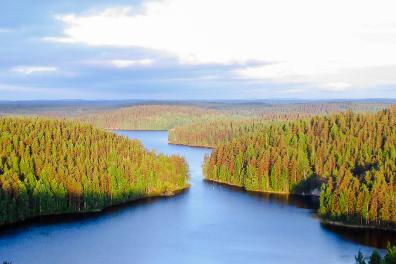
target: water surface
<point>209,223</point>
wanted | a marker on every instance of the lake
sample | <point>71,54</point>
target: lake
<point>209,223</point>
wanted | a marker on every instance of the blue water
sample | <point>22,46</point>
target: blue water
<point>208,224</point>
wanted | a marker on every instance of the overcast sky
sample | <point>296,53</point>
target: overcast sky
<point>189,49</point>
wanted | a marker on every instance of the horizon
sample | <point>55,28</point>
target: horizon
<point>216,100</point>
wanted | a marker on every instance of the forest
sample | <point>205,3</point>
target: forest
<point>151,117</point>
<point>55,167</point>
<point>212,115</point>
<point>179,115</point>
<point>343,152</point>
<point>350,158</point>
<point>214,132</point>
<point>246,119</point>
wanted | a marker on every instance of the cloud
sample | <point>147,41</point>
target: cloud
<point>306,41</point>
<point>34,69</point>
<point>328,79</point>
<point>129,63</point>
<point>119,63</point>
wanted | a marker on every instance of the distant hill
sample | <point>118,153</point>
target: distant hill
<point>73,108</point>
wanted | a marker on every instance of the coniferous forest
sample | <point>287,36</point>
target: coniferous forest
<point>349,157</point>
<point>54,167</point>
<point>211,116</point>
<point>214,132</point>
<point>151,117</point>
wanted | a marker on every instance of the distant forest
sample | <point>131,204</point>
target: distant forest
<point>152,117</point>
<point>248,119</point>
<point>174,116</point>
<point>52,167</point>
<point>165,115</point>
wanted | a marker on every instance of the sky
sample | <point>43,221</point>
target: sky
<point>188,49</point>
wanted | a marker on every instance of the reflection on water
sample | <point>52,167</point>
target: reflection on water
<point>368,237</point>
<point>75,218</point>
<point>304,202</point>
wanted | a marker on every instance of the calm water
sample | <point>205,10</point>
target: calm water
<point>207,224</point>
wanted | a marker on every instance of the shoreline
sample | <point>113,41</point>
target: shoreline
<point>259,192</point>
<point>339,224</point>
<point>326,222</point>
<point>65,216</point>
<point>194,146</point>
<point>161,130</point>
<point>141,130</point>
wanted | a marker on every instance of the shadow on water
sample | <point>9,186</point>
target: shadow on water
<point>83,217</point>
<point>299,201</point>
<point>368,237</point>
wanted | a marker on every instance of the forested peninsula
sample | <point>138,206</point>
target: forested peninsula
<point>349,157</point>
<point>55,167</point>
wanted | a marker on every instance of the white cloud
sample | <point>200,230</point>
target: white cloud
<point>308,41</point>
<point>34,69</point>
<point>129,63</point>
<point>120,63</point>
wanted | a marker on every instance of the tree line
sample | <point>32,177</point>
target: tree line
<point>245,119</point>
<point>214,132</point>
<point>349,157</point>
<point>175,115</point>
<point>54,166</point>
<point>151,117</point>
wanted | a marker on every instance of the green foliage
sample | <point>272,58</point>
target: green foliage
<point>350,158</point>
<point>51,167</point>
<point>390,257</point>
<point>250,118</point>
<point>213,132</point>
<point>375,258</point>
